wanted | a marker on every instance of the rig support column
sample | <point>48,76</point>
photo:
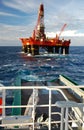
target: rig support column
<point>57,49</point>
<point>65,50</point>
<point>50,49</point>
<point>34,50</point>
<point>29,49</point>
<point>25,48</point>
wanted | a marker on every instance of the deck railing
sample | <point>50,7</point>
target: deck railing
<point>68,113</point>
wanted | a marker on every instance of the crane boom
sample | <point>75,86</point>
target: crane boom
<point>62,29</point>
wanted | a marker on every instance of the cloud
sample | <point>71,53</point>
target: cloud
<point>72,33</point>
<point>8,14</point>
<point>68,33</point>
<point>22,5</point>
<point>10,34</point>
<point>56,15</point>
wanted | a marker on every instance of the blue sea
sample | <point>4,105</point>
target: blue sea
<point>12,61</point>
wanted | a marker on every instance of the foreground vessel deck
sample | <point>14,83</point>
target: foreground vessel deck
<point>56,108</point>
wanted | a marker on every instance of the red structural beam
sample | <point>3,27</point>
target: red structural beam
<point>51,42</point>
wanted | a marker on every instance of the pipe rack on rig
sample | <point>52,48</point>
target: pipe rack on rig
<point>39,40</point>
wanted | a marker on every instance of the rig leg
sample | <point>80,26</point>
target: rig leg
<point>29,49</point>
<point>65,50</point>
<point>34,50</point>
<point>50,49</point>
<point>56,49</point>
<point>25,48</point>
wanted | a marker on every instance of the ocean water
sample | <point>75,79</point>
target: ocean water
<point>13,61</point>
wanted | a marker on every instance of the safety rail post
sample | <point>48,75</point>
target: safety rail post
<point>50,109</point>
<point>33,108</point>
<point>67,105</point>
<point>34,105</point>
<point>3,102</point>
<point>62,119</point>
<point>66,118</point>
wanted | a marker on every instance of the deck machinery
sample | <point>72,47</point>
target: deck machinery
<point>39,40</point>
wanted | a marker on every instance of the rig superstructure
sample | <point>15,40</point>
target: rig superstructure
<point>39,40</point>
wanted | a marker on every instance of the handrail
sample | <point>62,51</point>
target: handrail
<point>39,87</point>
<point>50,89</point>
<point>69,82</point>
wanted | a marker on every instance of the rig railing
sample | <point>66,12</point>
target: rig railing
<point>71,114</point>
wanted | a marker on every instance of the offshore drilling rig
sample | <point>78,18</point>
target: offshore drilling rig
<point>39,40</point>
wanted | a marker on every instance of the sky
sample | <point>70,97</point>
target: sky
<point>18,19</point>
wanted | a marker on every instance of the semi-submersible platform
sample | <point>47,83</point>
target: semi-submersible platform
<point>39,40</point>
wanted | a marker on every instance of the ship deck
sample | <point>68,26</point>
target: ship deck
<point>45,106</point>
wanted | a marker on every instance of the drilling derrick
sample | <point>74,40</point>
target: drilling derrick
<point>32,45</point>
<point>39,29</point>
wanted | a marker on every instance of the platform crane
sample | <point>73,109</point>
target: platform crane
<point>62,29</point>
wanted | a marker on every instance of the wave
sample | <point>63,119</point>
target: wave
<point>47,67</point>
